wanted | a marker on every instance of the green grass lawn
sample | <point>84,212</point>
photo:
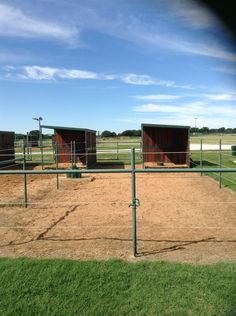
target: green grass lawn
<point>211,160</point>
<point>64,287</point>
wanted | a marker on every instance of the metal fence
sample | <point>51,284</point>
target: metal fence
<point>133,171</point>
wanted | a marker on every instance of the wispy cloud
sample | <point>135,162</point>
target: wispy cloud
<point>14,22</point>
<point>51,74</point>
<point>227,70</point>
<point>157,97</point>
<point>193,108</point>
<point>221,97</point>
<point>142,32</point>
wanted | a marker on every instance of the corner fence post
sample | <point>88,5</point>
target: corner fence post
<point>201,155</point>
<point>220,178</point>
<point>25,179</point>
<point>134,201</point>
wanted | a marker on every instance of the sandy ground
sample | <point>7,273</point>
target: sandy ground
<point>182,217</point>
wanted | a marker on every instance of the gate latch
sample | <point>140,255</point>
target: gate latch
<point>135,202</point>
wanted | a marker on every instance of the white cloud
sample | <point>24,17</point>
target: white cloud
<point>157,97</point>
<point>13,22</point>
<point>49,73</point>
<point>144,80</point>
<point>221,97</point>
<point>193,108</point>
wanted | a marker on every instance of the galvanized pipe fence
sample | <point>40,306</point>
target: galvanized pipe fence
<point>133,171</point>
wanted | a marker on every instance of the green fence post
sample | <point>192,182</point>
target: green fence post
<point>56,159</point>
<point>25,179</point>
<point>71,154</point>
<point>74,154</point>
<point>220,178</point>
<point>134,201</point>
<point>41,149</point>
<point>117,150</point>
<point>201,155</point>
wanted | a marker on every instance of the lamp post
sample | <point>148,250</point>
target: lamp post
<point>39,119</point>
<point>195,128</point>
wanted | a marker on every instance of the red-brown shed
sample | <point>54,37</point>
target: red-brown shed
<point>165,145</point>
<point>84,140</point>
<point>7,149</point>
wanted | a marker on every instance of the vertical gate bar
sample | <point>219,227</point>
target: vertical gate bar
<point>134,224</point>
<point>201,155</point>
<point>25,180</point>
<point>220,178</point>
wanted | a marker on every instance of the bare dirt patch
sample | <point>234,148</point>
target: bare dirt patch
<point>182,217</point>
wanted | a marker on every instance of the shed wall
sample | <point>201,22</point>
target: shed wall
<point>85,143</point>
<point>165,145</point>
<point>7,150</point>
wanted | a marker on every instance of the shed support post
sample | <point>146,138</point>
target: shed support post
<point>220,178</point>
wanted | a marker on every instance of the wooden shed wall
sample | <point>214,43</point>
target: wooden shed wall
<point>91,148</point>
<point>85,142</point>
<point>7,151</point>
<point>165,145</point>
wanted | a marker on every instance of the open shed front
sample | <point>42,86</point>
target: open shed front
<point>165,145</point>
<point>7,150</point>
<point>78,140</point>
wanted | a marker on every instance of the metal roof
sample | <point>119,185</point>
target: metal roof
<point>68,128</point>
<point>163,125</point>
<point>7,132</point>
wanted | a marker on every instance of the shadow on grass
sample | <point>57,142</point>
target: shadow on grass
<point>205,163</point>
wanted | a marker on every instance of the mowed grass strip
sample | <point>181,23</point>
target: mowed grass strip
<point>64,287</point>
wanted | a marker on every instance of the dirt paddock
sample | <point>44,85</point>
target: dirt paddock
<point>182,217</point>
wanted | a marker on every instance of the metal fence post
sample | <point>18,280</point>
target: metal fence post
<point>117,150</point>
<point>71,154</point>
<point>201,155</point>
<point>220,178</point>
<point>25,179</point>
<point>134,201</point>
<point>74,154</point>
<point>56,159</point>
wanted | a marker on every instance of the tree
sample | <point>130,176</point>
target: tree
<point>108,134</point>
<point>131,133</point>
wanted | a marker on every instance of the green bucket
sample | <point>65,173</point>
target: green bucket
<point>75,175</point>
<point>233,148</point>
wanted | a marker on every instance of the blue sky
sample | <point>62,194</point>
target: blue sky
<point>105,64</point>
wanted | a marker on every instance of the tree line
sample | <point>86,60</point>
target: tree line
<point>193,130</point>
<point>137,132</point>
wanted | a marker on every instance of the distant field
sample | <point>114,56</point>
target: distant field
<point>214,139</point>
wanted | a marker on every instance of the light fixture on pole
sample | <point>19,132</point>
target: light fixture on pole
<point>39,119</point>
